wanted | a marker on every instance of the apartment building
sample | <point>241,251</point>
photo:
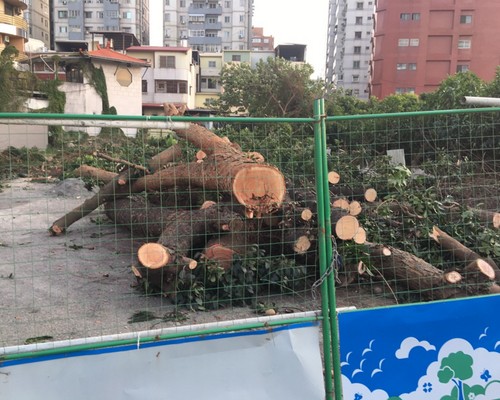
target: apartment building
<point>419,43</point>
<point>13,26</point>
<point>209,86</point>
<point>349,45</point>
<point>208,26</point>
<point>78,24</point>
<point>261,42</point>
<point>169,78</point>
<point>38,16</point>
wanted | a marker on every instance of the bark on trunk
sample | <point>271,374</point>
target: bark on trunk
<point>459,251</point>
<point>409,273</point>
<point>118,186</point>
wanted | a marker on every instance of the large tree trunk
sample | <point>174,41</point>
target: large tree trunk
<point>459,251</point>
<point>260,188</point>
<point>118,186</point>
<point>407,272</point>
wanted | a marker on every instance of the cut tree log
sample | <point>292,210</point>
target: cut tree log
<point>149,221</point>
<point>370,195</point>
<point>86,171</point>
<point>167,156</point>
<point>407,272</point>
<point>347,227</point>
<point>333,177</point>
<point>459,251</point>
<point>260,188</point>
<point>479,277</point>
<point>118,186</point>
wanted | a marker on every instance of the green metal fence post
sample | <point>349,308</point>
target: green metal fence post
<point>323,258</point>
<point>331,261</point>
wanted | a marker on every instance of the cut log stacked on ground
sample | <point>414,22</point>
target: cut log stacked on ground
<point>171,231</point>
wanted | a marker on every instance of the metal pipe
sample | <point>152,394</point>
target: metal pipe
<point>480,101</point>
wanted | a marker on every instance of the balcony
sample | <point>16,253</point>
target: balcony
<point>205,10</point>
<point>13,25</point>
<point>196,40</point>
<point>17,3</point>
<point>204,26</point>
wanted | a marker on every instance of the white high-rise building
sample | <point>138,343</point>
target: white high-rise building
<point>208,25</point>
<point>349,46</point>
<point>78,24</point>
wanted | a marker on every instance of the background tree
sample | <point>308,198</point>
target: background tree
<point>274,88</point>
<point>12,82</point>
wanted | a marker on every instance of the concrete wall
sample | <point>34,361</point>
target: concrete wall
<point>23,136</point>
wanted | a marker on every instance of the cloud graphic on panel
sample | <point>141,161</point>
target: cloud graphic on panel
<point>408,344</point>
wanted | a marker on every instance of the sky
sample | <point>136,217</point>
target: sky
<point>289,21</point>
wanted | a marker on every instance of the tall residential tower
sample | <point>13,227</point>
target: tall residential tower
<point>78,24</point>
<point>208,25</point>
<point>349,45</point>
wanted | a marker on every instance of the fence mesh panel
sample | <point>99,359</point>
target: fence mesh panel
<point>435,217</point>
<point>83,277</point>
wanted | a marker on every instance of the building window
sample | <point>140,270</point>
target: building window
<point>466,19</point>
<point>464,44</point>
<point>359,20</point>
<point>414,42</point>
<point>405,16</point>
<point>415,16</point>
<point>357,49</point>
<point>182,3</point>
<point>127,15</point>
<point>412,66</point>
<point>171,86</point>
<point>403,42</point>
<point>236,57</point>
<point>62,14</point>
<point>227,19</point>
<point>227,4</point>
<point>405,90</point>
<point>144,86</point>
<point>359,5</point>
<point>88,14</point>
<point>63,29</point>
<point>212,64</point>
<point>462,67</point>
<point>355,78</point>
<point>74,74</point>
<point>401,67</point>
<point>167,61</point>
<point>355,92</point>
<point>74,13</point>
<point>355,64</point>
<point>357,35</point>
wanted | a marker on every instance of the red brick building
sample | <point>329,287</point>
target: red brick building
<point>418,43</point>
<point>260,41</point>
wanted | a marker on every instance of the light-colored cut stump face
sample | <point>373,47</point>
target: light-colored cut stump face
<point>302,244</point>
<point>223,255</point>
<point>496,220</point>
<point>370,195</point>
<point>259,188</point>
<point>153,255</point>
<point>360,236</point>
<point>333,177</point>
<point>306,214</point>
<point>341,203</point>
<point>355,208</point>
<point>346,227</point>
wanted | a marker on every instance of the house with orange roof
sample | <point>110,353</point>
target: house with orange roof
<point>101,81</point>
